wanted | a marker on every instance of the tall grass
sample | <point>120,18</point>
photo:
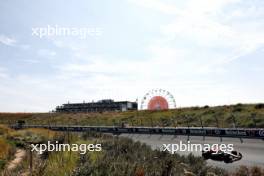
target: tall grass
<point>61,163</point>
<point>6,152</point>
<point>243,113</point>
<point>33,135</point>
<point>4,130</point>
<point>4,149</point>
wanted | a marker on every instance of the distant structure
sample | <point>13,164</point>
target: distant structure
<point>99,106</point>
<point>158,99</point>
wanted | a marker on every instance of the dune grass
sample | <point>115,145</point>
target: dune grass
<point>11,140</point>
<point>120,156</point>
<point>61,163</point>
<point>6,148</point>
<point>245,115</point>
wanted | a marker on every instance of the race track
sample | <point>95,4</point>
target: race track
<point>252,149</point>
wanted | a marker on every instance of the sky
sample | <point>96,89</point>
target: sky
<point>204,52</point>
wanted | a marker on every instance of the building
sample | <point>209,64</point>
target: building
<point>99,106</point>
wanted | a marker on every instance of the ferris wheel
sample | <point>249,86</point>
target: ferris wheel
<point>158,99</point>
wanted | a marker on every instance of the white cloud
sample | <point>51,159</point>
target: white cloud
<point>31,61</point>
<point>46,53</point>
<point>207,25</point>
<point>250,11</point>
<point>3,73</point>
<point>188,55</point>
<point>25,47</point>
<point>7,40</point>
<point>204,7</point>
<point>13,42</point>
<point>201,23</point>
<point>157,5</point>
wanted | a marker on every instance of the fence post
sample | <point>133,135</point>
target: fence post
<point>253,116</point>
<point>234,121</point>
<point>188,124</point>
<point>201,121</point>
<point>217,125</point>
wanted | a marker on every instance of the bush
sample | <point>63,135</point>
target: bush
<point>259,106</point>
<point>2,164</point>
<point>237,109</point>
<point>123,156</point>
<point>5,148</point>
<point>247,171</point>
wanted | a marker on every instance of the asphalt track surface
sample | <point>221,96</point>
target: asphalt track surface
<point>251,149</point>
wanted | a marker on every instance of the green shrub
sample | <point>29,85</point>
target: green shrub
<point>123,156</point>
<point>2,164</point>
<point>259,106</point>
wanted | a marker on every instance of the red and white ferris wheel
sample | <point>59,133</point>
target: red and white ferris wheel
<point>158,99</point>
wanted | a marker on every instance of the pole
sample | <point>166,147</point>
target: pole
<point>201,121</point>
<point>217,125</point>
<point>234,121</point>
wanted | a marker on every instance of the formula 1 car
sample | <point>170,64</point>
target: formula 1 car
<point>218,155</point>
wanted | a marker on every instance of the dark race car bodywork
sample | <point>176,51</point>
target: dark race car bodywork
<point>227,157</point>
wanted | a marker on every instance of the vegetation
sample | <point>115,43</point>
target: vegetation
<point>248,171</point>
<point>120,156</point>
<point>60,163</point>
<point>5,152</point>
<point>6,149</point>
<point>244,115</point>
<point>11,141</point>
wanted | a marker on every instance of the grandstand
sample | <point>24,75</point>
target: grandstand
<point>99,106</point>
